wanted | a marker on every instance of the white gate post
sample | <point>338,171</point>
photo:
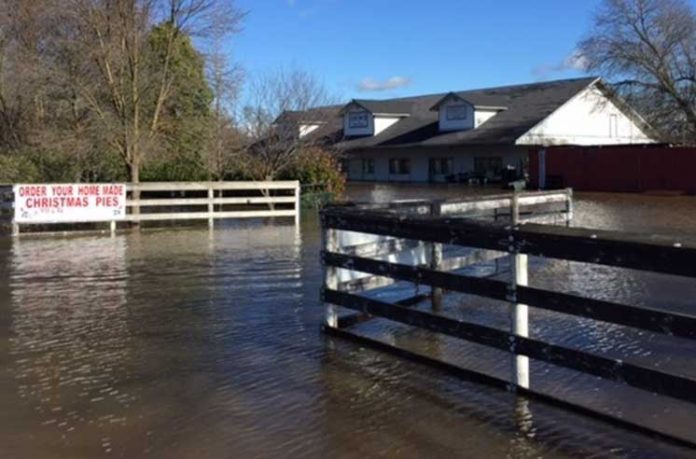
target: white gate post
<point>330,244</point>
<point>569,207</point>
<point>298,192</point>
<point>436,259</point>
<point>519,313</point>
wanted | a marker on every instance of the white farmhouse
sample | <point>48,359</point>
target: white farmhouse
<point>473,134</point>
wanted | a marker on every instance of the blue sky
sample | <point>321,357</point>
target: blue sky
<point>383,48</point>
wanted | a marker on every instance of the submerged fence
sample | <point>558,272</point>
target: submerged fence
<point>180,201</point>
<point>516,241</point>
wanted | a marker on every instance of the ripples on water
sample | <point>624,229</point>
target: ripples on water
<point>195,344</point>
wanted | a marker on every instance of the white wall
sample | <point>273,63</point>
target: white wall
<point>307,129</point>
<point>376,124</point>
<point>355,169</point>
<point>383,122</point>
<point>481,116</point>
<point>462,159</point>
<point>456,125</point>
<point>585,120</point>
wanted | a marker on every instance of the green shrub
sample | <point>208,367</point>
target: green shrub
<point>319,172</point>
<point>183,168</point>
<point>16,168</point>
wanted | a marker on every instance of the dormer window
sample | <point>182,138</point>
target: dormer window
<point>358,120</point>
<point>459,114</point>
<point>456,112</point>
<point>363,118</point>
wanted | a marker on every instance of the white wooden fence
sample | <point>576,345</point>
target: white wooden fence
<point>544,207</point>
<point>170,201</point>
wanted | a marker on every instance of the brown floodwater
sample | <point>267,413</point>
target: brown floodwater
<point>188,343</point>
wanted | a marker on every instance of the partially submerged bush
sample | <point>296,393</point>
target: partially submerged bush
<point>318,170</point>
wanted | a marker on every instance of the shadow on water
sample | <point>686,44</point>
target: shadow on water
<point>192,343</point>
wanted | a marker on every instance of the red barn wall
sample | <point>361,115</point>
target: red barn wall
<point>630,168</point>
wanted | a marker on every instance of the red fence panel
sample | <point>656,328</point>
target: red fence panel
<point>625,168</point>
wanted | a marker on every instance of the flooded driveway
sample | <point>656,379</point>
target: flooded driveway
<point>190,343</point>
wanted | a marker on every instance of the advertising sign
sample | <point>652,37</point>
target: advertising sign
<point>69,202</point>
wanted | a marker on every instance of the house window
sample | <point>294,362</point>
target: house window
<point>358,120</point>
<point>399,166</point>
<point>456,112</point>
<point>368,166</point>
<point>488,166</point>
<point>440,166</point>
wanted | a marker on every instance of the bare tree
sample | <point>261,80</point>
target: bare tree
<point>121,87</point>
<point>226,142</point>
<point>649,48</point>
<point>285,107</point>
<point>23,31</point>
<point>40,114</point>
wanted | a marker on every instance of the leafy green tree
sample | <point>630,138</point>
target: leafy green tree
<point>186,115</point>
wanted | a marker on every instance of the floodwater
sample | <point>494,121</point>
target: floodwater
<point>188,343</point>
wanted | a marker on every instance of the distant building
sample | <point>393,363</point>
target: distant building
<point>472,134</point>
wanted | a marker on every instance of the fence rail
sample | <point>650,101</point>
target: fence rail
<point>173,201</point>
<point>516,241</point>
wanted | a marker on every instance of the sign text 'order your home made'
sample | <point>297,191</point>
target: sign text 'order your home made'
<point>69,202</point>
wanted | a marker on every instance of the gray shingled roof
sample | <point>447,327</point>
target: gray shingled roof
<point>388,106</point>
<point>526,105</point>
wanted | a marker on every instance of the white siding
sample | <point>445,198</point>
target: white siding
<point>481,116</point>
<point>462,159</point>
<point>355,169</point>
<point>590,118</point>
<point>307,129</point>
<point>456,125</point>
<point>383,122</point>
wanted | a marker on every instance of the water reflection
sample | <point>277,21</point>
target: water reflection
<point>69,337</point>
<point>191,343</point>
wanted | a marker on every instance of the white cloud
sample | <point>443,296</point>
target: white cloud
<point>574,61</point>
<point>372,85</point>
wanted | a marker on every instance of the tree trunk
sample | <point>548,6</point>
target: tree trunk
<point>135,181</point>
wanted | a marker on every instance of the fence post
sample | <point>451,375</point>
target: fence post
<point>211,206</point>
<point>436,258</point>
<point>519,313</point>
<point>112,227</point>
<point>569,206</point>
<point>298,192</point>
<point>330,244</point>
<point>15,228</point>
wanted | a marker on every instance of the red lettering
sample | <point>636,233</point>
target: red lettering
<point>62,190</point>
<point>32,190</point>
<point>108,201</point>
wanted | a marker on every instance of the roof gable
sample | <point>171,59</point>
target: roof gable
<point>380,107</point>
<point>461,97</point>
